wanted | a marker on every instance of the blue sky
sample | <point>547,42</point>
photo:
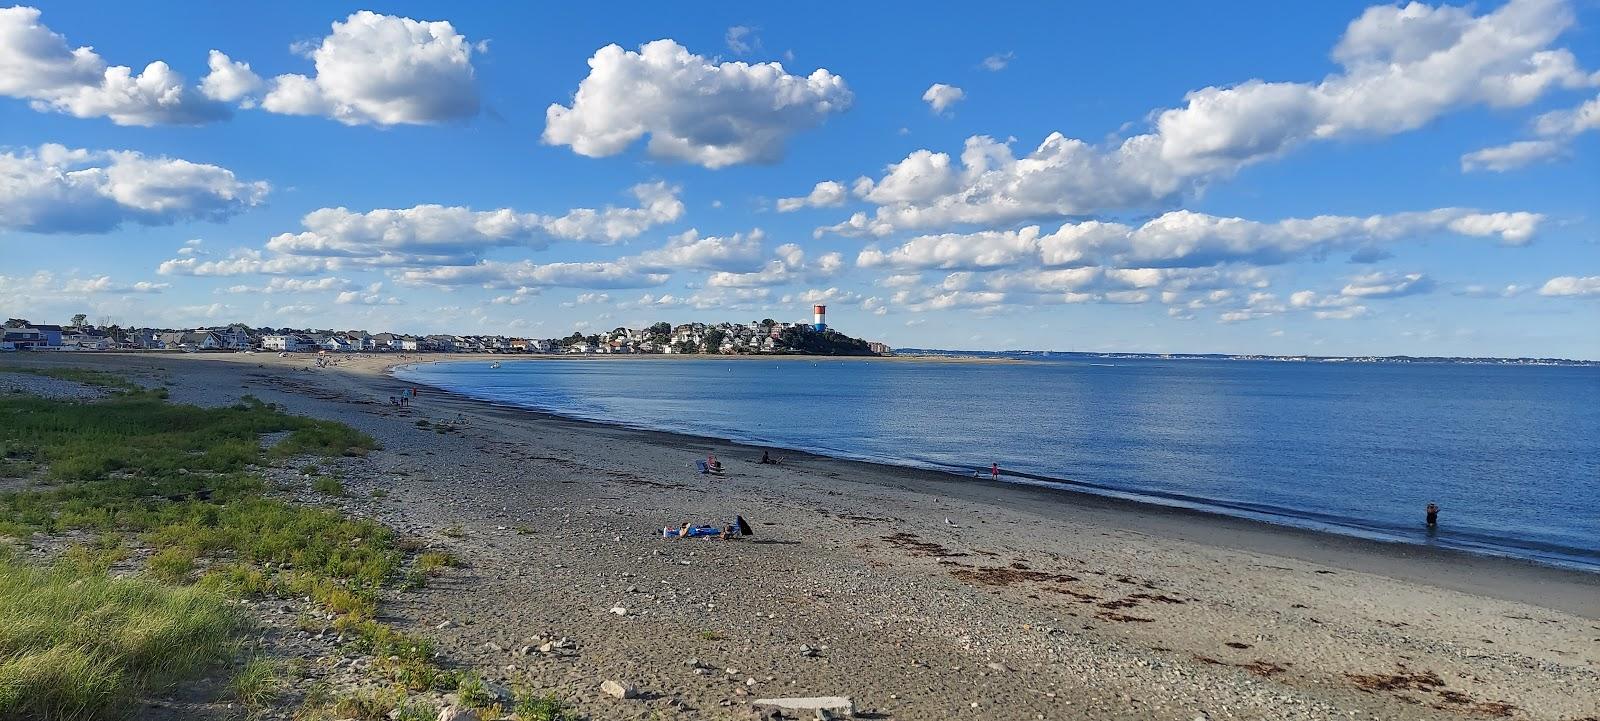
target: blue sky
<point>1329,178</point>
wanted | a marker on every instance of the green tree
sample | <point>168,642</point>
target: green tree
<point>714,338</point>
<point>78,320</point>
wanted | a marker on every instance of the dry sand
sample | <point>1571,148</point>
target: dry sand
<point>919,595</point>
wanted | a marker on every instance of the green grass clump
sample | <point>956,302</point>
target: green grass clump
<point>328,486</point>
<point>76,644</point>
<point>258,684</point>
<point>172,565</point>
<point>433,561</point>
<point>542,708</point>
<point>139,434</point>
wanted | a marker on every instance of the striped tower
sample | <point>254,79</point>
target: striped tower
<point>820,313</point>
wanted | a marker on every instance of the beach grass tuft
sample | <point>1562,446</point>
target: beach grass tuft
<point>77,644</point>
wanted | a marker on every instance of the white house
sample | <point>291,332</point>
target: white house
<point>338,344</point>
<point>286,342</point>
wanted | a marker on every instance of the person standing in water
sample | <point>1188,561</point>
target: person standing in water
<point>1433,515</point>
<point>994,470</point>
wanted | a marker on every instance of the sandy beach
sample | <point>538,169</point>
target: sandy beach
<point>918,595</point>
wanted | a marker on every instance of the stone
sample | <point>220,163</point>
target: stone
<point>619,610</point>
<point>618,689</point>
<point>999,667</point>
<point>444,625</point>
<point>457,713</point>
<point>836,705</point>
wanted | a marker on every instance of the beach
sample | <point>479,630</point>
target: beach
<point>917,594</point>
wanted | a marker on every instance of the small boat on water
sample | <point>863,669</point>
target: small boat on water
<point>495,364</point>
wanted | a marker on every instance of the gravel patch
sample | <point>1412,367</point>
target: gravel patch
<point>47,387</point>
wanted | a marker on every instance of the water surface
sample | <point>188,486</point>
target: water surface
<point>1511,453</point>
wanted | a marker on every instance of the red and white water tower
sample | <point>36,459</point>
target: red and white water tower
<point>820,316</point>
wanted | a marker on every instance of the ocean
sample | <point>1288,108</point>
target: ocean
<point>1510,453</point>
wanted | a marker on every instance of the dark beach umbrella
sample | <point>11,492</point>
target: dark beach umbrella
<point>744,528</point>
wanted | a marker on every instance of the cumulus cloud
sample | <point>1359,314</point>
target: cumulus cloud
<point>295,285</point>
<point>789,265</point>
<point>38,65</point>
<point>1572,286</point>
<point>694,109</point>
<point>691,251</point>
<point>1401,67</point>
<point>826,194</point>
<point>229,81</point>
<point>1187,239</point>
<point>104,284</point>
<point>383,70</point>
<point>243,261</point>
<point>1556,130</point>
<point>371,295</point>
<point>940,96</point>
<point>1387,285</point>
<point>525,274</point>
<point>440,234</point>
<point>54,189</point>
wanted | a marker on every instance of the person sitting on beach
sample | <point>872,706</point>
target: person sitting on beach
<point>713,464</point>
<point>767,459</point>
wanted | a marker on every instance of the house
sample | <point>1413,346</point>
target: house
<point>337,344</point>
<point>21,338</point>
<point>197,340</point>
<point>386,341</point>
<point>87,339</point>
<point>287,342</point>
<point>50,333</point>
<point>410,343</point>
<point>443,343</point>
<point>234,337</point>
<point>880,348</point>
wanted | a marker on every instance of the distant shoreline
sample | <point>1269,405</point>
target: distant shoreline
<point>1080,493</point>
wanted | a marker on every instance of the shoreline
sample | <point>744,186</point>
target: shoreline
<point>1072,489</point>
<point>1510,578</point>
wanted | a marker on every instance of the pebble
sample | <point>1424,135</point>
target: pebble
<point>618,689</point>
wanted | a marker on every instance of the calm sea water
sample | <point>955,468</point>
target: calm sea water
<point>1511,453</point>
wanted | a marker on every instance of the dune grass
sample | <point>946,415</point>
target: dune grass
<point>77,644</point>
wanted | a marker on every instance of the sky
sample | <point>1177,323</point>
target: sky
<point>1332,178</point>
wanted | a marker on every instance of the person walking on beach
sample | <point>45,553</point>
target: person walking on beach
<point>1433,515</point>
<point>994,471</point>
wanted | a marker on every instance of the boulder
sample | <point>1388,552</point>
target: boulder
<point>457,713</point>
<point>618,689</point>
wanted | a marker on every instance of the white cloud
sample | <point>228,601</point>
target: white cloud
<point>492,274</point>
<point>826,194</point>
<point>1556,130</point>
<point>694,109</point>
<point>383,70</point>
<point>998,61</point>
<point>371,295</point>
<point>54,189</point>
<point>243,262</point>
<point>789,266</point>
<point>38,65</point>
<point>104,284</point>
<point>940,96</point>
<point>442,234</point>
<point>1401,68</point>
<point>229,81</point>
<point>1387,285</point>
<point>691,251</point>
<point>295,285</point>
<point>742,39</point>
<point>1572,286</point>
<point>1187,239</point>
<point>1511,156</point>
